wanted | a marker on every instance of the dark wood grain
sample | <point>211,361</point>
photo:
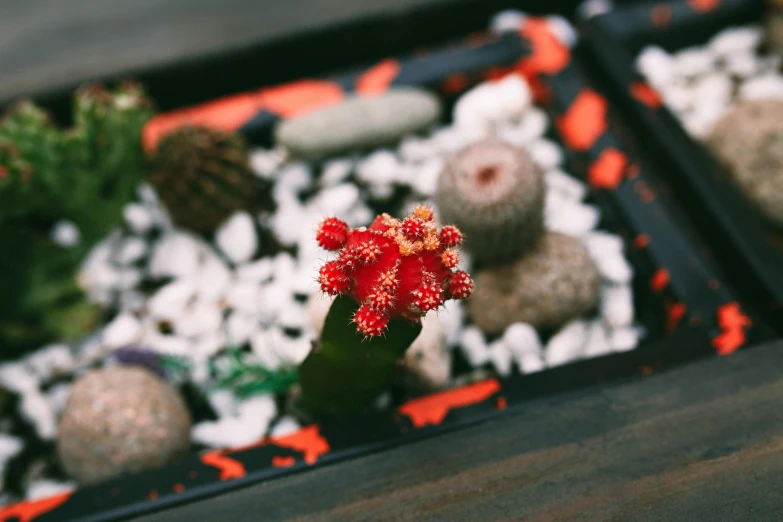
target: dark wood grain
<point>700,443</point>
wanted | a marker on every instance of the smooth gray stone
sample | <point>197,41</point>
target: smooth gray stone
<point>359,123</point>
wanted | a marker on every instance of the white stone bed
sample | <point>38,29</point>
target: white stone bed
<point>702,83</point>
<point>222,294</point>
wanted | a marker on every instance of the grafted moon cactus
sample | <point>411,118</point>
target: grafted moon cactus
<point>386,278</point>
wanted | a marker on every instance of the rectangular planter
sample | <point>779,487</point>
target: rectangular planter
<point>687,303</point>
<point>749,247</point>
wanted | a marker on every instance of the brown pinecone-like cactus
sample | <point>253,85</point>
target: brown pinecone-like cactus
<point>203,175</point>
<point>494,193</point>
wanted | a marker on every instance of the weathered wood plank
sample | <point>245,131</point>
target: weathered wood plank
<point>703,442</point>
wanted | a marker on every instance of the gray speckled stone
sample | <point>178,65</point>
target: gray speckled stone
<point>359,123</point>
<point>121,419</point>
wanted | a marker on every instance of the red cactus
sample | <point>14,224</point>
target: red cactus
<point>332,233</point>
<point>393,268</point>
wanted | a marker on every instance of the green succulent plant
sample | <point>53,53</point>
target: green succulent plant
<point>83,175</point>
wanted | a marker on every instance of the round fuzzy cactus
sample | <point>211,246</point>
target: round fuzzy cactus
<point>495,194</point>
<point>203,176</point>
<point>547,287</point>
<point>386,278</point>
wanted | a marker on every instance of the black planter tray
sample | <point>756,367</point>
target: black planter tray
<point>750,247</point>
<point>684,300</point>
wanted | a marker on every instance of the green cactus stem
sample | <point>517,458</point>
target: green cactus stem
<point>386,277</point>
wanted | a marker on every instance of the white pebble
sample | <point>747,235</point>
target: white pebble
<point>245,297</point>
<point>735,39</point>
<point>590,8</point>
<point>566,345</point>
<point>617,305</point>
<point>266,162</point>
<point>171,300</point>
<point>66,234</point>
<point>237,237</point>
<point>223,403</point>
<point>285,426</point>
<point>287,221</point>
<point>132,301</point>
<point>425,181</point>
<point>147,194</point>
<point>501,357</point>
<point>294,315</point>
<point>43,488</point>
<point>14,376</point>
<point>58,396</point>
<point>359,215</point>
<point>37,409</point>
<point>768,86</point>
<point>563,30</point>
<point>260,410</point>
<point>415,149</point>
<point>176,255</point>
<point>124,330</point>
<point>612,266</point>
<point>336,171</point>
<point>657,66</point>
<point>378,168</point>
<point>226,432</point>
<point>213,279</point>
<point>742,64</point>
<point>381,191</point>
<point>452,316</point>
<point>256,271</point>
<point>132,249</point>
<point>239,328</point>
<point>624,339</point>
<point>564,184</point>
<point>693,62</point>
<point>10,446</point>
<point>547,154</point>
<point>292,352</point>
<point>199,320</point>
<point>263,343</point>
<point>597,341</point>
<point>714,89</point>
<point>700,122</point>
<point>509,20</point>
<point>139,217</point>
<point>599,242</point>
<point>168,344</point>
<point>525,346</point>
<point>679,97</point>
<point>50,360</point>
<point>334,201</point>
<point>474,346</point>
<point>574,219</point>
<point>295,177</point>
<point>492,102</point>
<point>428,357</point>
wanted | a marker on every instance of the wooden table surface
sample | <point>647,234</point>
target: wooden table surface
<point>702,442</point>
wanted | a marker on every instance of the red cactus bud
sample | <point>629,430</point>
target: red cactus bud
<point>368,252</point>
<point>380,300</point>
<point>332,233</point>
<point>371,323</point>
<point>396,269</point>
<point>460,285</point>
<point>450,236</point>
<point>429,296</point>
<point>423,212</point>
<point>413,228</point>
<point>333,281</point>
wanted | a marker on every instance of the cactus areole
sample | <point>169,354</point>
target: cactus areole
<point>385,277</point>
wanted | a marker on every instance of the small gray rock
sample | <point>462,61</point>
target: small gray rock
<point>121,419</point>
<point>359,123</point>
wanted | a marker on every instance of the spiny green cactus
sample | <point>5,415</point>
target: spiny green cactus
<point>84,175</point>
<point>203,175</point>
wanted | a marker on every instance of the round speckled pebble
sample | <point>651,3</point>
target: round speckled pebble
<point>121,419</point>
